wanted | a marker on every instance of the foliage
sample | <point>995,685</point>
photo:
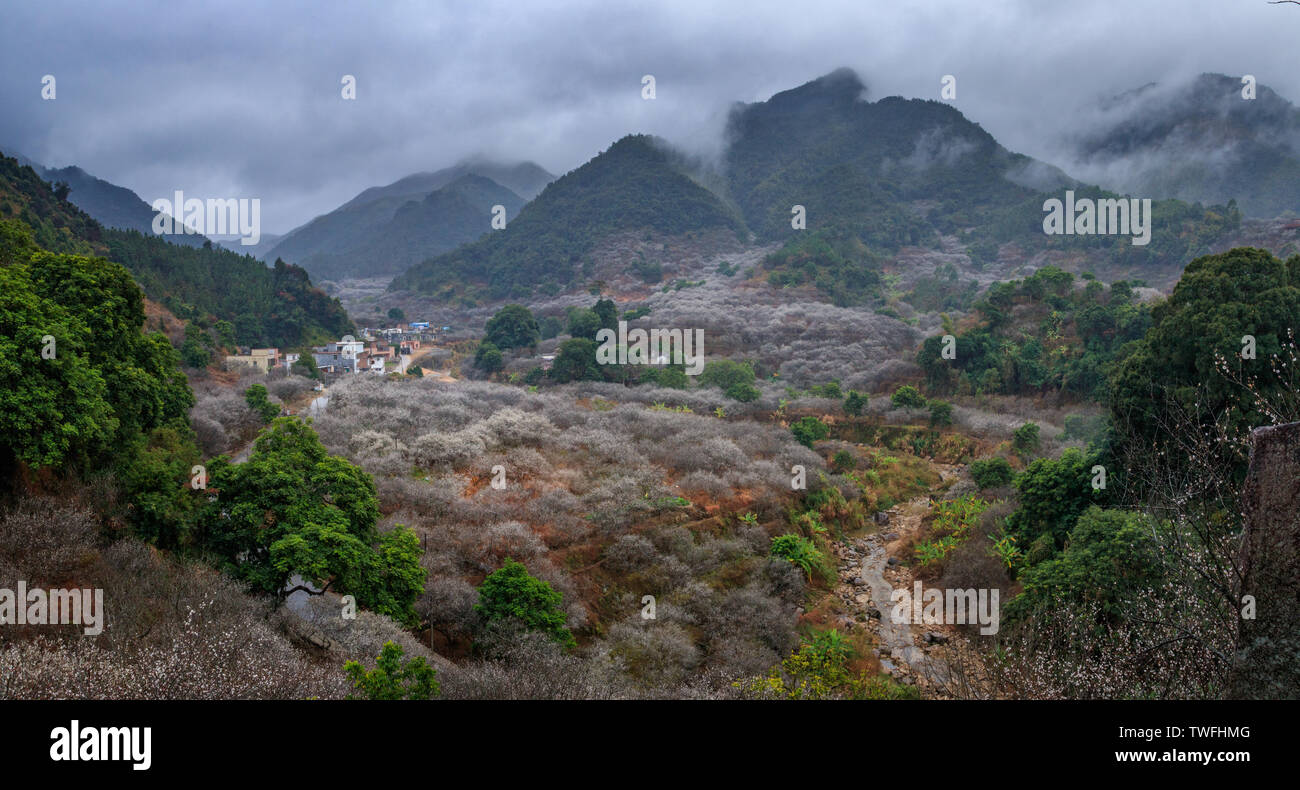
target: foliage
<point>1025,438</point>
<point>257,400</point>
<point>991,472</point>
<point>726,373</point>
<point>576,361</point>
<point>393,678</point>
<point>105,385</point>
<point>512,593</point>
<point>855,403</point>
<point>294,509</point>
<point>808,430</point>
<point>487,357</point>
<point>1110,557</point>
<point>1052,495</point>
<point>513,326</point>
<point>907,397</point>
<point>940,413</point>
<point>800,551</point>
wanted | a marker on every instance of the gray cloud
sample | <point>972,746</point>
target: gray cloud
<point>238,99</point>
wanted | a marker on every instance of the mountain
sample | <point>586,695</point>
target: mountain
<point>896,170</point>
<point>525,179</point>
<point>1197,141</point>
<point>638,184</point>
<point>267,306</point>
<point>108,204</point>
<point>358,239</point>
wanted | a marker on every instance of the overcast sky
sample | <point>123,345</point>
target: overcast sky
<point>235,99</point>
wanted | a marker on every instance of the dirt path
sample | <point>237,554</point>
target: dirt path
<point>936,658</point>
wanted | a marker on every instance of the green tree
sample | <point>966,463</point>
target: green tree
<point>1025,438</point>
<point>259,401</point>
<point>584,323</point>
<point>743,392</point>
<point>1170,382</point>
<point>488,357</point>
<point>607,311</point>
<point>576,361</point>
<point>396,314</point>
<point>1110,558</point>
<point>991,472</point>
<point>940,413</point>
<point>393,678</point>
<point>294,509</point>
<point>511,593</point>
<point>855,403</point>
<point>513,326</point>
<point>808,430</point>
<point>1052,495</point>
<point>907,397</point>
<point>726,373</point>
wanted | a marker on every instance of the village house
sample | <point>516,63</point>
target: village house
<point>261,358</point>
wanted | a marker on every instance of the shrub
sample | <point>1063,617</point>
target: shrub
<point>488,357</point>
<point>743,392</point>
<point>991,472</point>
<point>808,430</point>
<point>940,413</point>
<point>511,593</point>
<point>513,326</point>
<point>1025,439</point>
<point>393,678</point>
<point>907,397</point>
<point>257,400</point>
<point>726,373</point>
<point>855,403</point>
<point>800,551</point>
<point>844,461</point>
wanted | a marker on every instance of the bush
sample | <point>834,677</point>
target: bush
<point>800,551</point>
<point>907,397</point>
<point>808,430</point>
<point>488,357</point>
<point>844,461</point>
<point>510,593</point>
<point>855,403</point>
<point>513,326</point>
<point>991,472</point>
<point>745,393</point>
<point>726,373</point>
<point>1025,439</point>
<point>257,400</point>
<point>393,678</point>
<point>940,413</point>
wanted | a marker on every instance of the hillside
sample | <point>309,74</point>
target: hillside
<point>111,205</point>
<point>380,233</point>
<point>268,306</point>
<point>896,170</point>
<point>1198,141</point>
<point>635,185</point>
<point>363,246</point>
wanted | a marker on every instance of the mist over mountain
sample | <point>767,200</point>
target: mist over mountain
<point>896,168</point>
<point>1198,140</point>
<point>638,184</point>
<point>385,230</point>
